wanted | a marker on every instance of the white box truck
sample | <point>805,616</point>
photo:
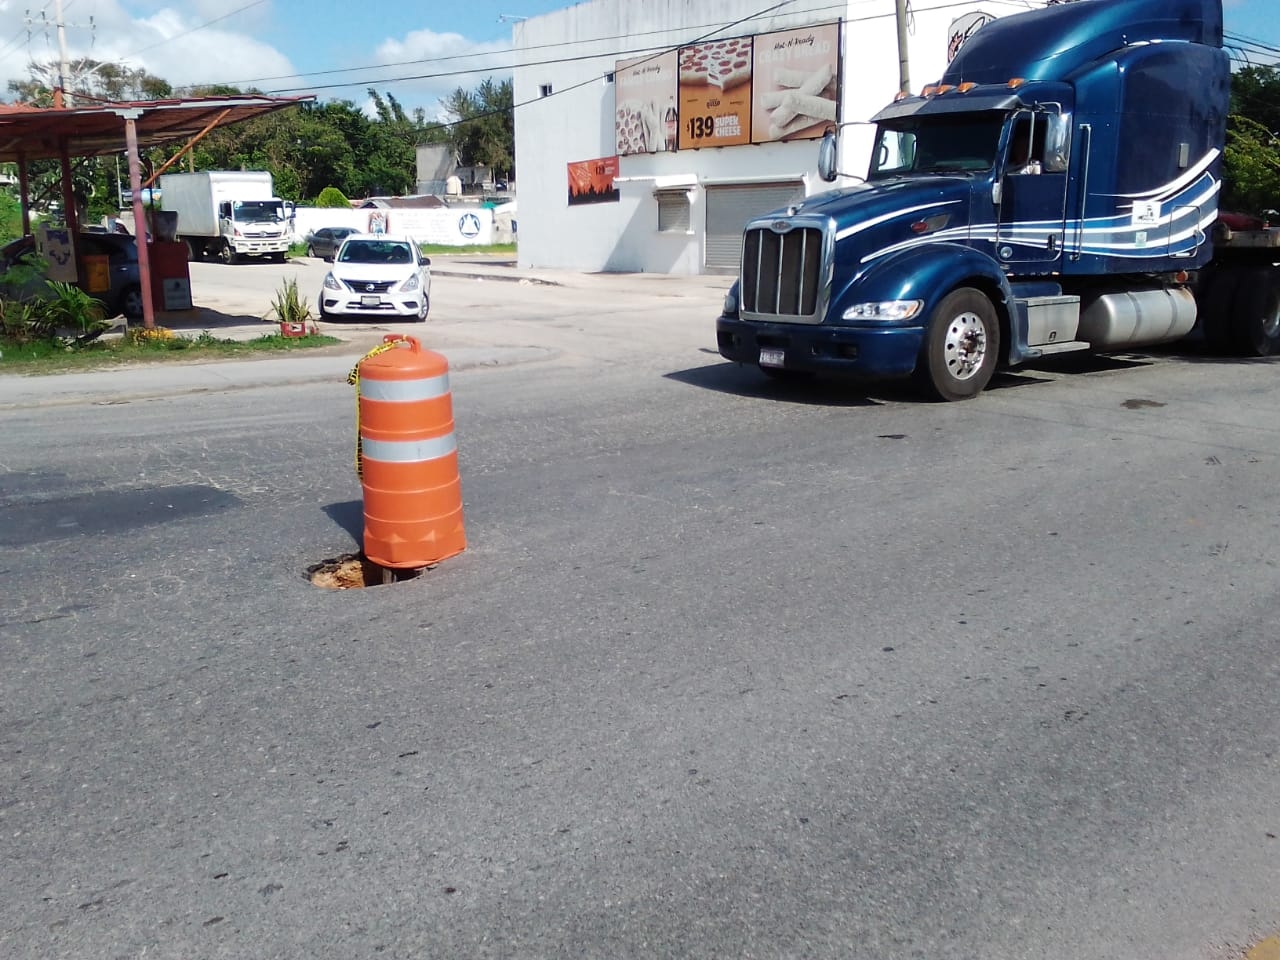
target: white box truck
<point>229,214</point>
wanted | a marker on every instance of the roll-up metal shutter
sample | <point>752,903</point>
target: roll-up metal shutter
<point>728,210</point>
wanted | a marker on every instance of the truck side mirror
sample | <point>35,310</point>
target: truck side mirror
<point>827,156</point>
<point>1057,143</point>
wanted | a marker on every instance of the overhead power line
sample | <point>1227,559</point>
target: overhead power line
<point>502,68</point>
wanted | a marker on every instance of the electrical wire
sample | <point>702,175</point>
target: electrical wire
<point>597,55</point>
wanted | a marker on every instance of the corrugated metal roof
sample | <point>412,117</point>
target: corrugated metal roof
<point>34,133</point>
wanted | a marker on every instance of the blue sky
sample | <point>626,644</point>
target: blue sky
<point>284,45</point>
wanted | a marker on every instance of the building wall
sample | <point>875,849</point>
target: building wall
<point>576,122</point>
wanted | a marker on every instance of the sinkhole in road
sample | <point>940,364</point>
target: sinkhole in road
<point>353,571</point>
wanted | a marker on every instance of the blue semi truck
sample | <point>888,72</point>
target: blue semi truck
<point>1056,191</point>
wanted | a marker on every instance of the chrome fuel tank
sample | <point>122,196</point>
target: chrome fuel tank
<point>1137,318</point>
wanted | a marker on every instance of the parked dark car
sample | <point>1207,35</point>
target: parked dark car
<point>324,243</point>
<point>125,293</point>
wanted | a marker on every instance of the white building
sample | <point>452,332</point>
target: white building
<point>607,77</point>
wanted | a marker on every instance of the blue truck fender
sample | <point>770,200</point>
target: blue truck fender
<point>931,271</point>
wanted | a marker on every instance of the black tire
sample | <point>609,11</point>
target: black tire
<point>195,251</point>
<point>961,346</point>
<point>1216,304</point>
<point>426,309</point>
<point>1255,324</point>
<point>131,303</point>
<point>226,254</point>
<point>311,251</point>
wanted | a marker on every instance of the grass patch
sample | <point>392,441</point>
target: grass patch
<point>59,356</point>
<point>442,250</point>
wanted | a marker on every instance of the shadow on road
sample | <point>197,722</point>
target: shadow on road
<point>746,381</point>
<point>205,318</point>
<point>348,515</point>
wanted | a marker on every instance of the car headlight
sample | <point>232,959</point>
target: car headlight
<point>730,304</point>
<point>888,310</point>
<point>331,282</point>
<point>411,283</point>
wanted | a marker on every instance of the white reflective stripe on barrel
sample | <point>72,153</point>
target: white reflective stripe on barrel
<point>404,391</point>
<point>408,451</point>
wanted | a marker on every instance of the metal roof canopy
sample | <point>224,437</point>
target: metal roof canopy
<point>30,133</point>
<point>33,133</point>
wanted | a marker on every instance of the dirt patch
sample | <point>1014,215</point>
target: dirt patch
<point>353,571</point>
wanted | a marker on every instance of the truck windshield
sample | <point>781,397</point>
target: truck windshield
<point>963,143</point>
<point>257,210</point>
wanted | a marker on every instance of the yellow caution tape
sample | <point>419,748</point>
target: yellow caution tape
<point>353,378</point>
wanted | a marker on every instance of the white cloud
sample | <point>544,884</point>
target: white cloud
<point>165,42</point>
<point>161,36</point>
<point>443,61</point>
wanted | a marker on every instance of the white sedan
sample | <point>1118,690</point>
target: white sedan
<point>377,275</point>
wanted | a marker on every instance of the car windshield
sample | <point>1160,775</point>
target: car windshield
<point>375,251</point>
<point>964,143</point>
<point>257,210</point>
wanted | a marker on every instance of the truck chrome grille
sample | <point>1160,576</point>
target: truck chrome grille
<point>782,272</point>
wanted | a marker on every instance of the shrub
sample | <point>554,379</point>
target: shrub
<point>334,198</point>
<point>289,306</point>
<point>69,307</point>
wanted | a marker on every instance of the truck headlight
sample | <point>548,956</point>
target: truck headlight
<point>887,310</point>
<point>730,304</point>
<point>331,282</point>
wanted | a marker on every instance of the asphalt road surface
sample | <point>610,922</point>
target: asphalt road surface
<point>729,669</point>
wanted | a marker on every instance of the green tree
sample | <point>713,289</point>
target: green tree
<point>483,126</point>
<point>1251,160</point>
<point>1252,163</point>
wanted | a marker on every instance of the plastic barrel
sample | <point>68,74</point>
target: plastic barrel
<point>409,458</point>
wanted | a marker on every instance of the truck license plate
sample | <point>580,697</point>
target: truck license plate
<point>772,357</point>
<point>368,301</point>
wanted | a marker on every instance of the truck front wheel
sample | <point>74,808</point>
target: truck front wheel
<point>226,253</point>
<point>962,345</point>
<point>1257,316</point>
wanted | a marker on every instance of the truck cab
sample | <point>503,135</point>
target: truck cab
<point>1055,191</point>
<point>253,228</point>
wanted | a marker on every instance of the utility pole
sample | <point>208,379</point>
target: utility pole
<point>904,72</point>
<point>64,64</point>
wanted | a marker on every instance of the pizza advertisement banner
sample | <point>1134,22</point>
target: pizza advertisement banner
<point>715,94</point>
<point>796,83</point>
<point>591,181</point>
<point>645,91</point>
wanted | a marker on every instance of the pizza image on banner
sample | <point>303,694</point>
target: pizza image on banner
<point>715,94</point>
<point>796,84</point>
<point>645,94</point>
<point>591,181</point>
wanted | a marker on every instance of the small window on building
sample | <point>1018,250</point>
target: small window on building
<point>608,78</point>
<point>673,211</point>
<point>545,90</point>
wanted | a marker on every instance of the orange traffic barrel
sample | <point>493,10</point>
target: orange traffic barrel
<point>407,456</point>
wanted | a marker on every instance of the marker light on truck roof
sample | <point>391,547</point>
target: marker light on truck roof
<point>1016,82</point>
<point>966,86</point>
<point>930,90</point>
